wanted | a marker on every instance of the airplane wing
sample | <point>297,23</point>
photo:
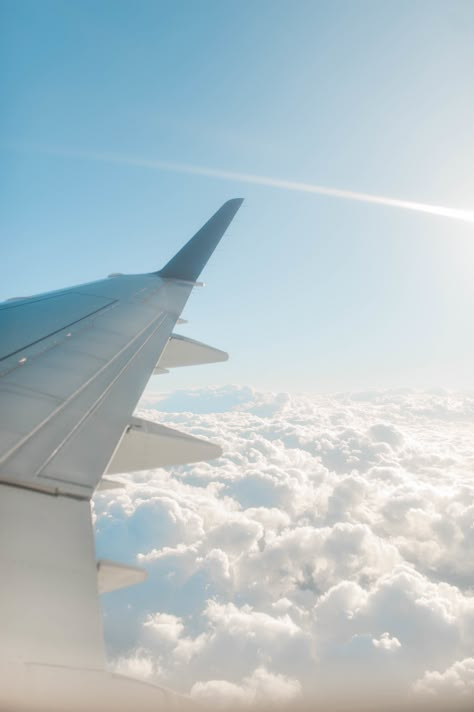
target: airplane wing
<point>73,365</point>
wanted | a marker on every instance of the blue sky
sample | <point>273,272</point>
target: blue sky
<point>306,292</point>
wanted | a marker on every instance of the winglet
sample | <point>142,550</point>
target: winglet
<point>188,263</point>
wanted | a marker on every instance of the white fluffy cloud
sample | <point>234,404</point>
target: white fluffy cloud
<point>334,537</point>
<point>456,681</point>
<point>260,687</point>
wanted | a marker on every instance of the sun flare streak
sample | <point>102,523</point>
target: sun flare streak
<point>250,178</point>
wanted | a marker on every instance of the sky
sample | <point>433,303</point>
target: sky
<point>333,539</point>
<point>306,292</point>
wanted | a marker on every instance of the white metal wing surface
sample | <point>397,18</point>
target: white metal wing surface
<point>73,365</point>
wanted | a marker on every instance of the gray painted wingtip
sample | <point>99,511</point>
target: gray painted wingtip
<point>191,259</point>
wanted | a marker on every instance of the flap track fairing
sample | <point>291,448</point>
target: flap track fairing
<point>182,351</point>
<point>147,445</point>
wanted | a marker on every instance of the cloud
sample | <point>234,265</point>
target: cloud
<point>260,687</point>
<point>333,538</point>
<point>457,680</point>
<point>385,642</point>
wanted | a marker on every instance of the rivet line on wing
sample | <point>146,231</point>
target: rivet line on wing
<point>98,401</point>
<point>57,331</point>
<point>83,324</point>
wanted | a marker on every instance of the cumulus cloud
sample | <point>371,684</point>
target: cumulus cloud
<point>260,687</point>
<point>333,538</point>
<point>457,680</point>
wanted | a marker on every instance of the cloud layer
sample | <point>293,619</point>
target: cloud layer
<point>333,540</point>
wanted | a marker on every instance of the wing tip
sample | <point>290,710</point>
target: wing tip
<point>188,263</point>
<point>234,201</point>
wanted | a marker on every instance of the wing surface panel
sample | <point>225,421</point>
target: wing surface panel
<point>30,321</point>
<point>83,384</point>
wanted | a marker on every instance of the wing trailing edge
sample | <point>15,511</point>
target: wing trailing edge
<point>188,263</point>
